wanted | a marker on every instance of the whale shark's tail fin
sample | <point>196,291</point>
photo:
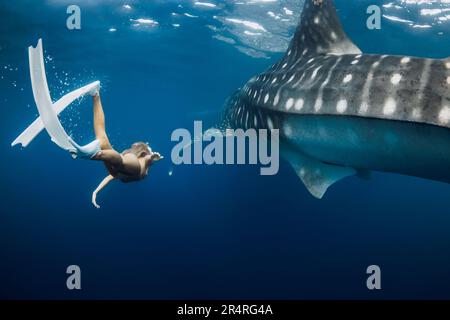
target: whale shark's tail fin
<point>320,31</point>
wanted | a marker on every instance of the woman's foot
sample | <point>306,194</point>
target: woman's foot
<point>95,91</point>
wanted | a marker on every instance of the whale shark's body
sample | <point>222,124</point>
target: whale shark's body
<point>340,112</point>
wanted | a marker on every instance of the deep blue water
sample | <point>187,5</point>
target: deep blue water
<point>204,231</point>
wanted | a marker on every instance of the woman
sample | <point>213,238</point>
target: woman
<point>130,165</point>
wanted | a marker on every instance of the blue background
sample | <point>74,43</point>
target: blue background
<point>204,231</point>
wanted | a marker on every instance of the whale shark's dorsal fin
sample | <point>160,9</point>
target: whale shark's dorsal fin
<point>320,31</point>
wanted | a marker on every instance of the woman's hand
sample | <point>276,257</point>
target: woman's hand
<point>100,187</point>
<point>94,200</point>
<point>156,156</point>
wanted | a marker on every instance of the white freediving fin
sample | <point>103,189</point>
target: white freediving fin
<point>37,125</point>
<point>48,112</point>
<point>315,175</point>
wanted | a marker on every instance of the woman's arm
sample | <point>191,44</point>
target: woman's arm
<point>100,187</point>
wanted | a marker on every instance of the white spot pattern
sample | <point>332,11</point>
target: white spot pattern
<point>396,78</point>
<point>347,78</point>
<point>444,115</point>
<point>389,106</point>
<point>341,106</point>
<point>299,104</point>
<point>289,103</point>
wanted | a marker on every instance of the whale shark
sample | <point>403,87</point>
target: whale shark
<point>341,113</point>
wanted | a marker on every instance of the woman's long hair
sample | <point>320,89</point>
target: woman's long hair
<point>140,149</point>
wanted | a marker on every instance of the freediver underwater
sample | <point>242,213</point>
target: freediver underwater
<point>131,165</point>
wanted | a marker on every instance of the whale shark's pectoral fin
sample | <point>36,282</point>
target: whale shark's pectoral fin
<point>320,31</point>
<point>316,175</point>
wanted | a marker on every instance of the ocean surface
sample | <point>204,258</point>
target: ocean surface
<point>198,231</point>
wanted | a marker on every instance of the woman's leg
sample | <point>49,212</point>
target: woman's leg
<point>99,124</point>
<point>111,158</point>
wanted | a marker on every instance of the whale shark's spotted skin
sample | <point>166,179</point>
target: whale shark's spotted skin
<point>323,94</point>
<point>386,87</point>
<point>316,76</point>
